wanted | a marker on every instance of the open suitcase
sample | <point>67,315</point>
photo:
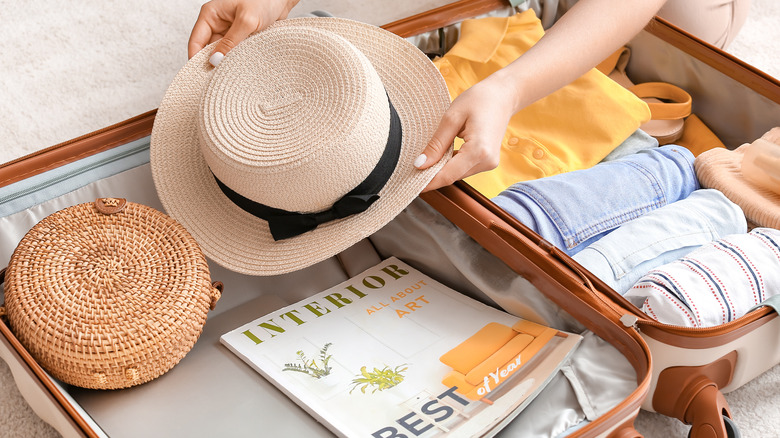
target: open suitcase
<point>690,365</point>
<point>555,289</point>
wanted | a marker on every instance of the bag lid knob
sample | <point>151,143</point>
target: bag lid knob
<point>110,205</point>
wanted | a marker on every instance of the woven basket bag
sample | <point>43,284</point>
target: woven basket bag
<point>109,294</point>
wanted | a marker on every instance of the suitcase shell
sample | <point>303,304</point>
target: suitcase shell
<point>567,284</point>
<point>58,406</point>
<point>692,367</point>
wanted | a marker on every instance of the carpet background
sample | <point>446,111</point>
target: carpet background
<point>71,67</point>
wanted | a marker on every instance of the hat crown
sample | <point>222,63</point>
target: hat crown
<point>295,119</point>
<point>223,225</point>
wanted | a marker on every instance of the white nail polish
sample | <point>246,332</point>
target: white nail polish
<point>216,58</point>
<point>419,161</point>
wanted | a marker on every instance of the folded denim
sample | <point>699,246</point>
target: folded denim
<point>574,209</point>
<point>714,284</point>
<point>661,236</point>
<point>638,141</point>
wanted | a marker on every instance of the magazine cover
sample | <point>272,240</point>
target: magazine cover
<point>392,353</point>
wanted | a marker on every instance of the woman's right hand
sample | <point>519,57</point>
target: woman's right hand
<point>231,21</point>
<point>479,116</point>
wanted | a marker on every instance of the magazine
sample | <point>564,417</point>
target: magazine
<point>392,352</point>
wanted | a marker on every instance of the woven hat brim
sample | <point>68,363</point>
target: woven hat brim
<point>242,242</point>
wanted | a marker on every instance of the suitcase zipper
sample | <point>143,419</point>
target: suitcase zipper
<point>706,331</point>
<point>628,320</point>
<point>78,170</point>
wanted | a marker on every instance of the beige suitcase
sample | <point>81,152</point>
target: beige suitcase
<point>697,357</point>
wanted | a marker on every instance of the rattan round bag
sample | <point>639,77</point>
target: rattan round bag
<point>109,294</point>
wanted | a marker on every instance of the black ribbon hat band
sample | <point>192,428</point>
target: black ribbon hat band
<point>285,224</point>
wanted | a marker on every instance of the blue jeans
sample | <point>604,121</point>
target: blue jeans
<point>572,210</point>
<point>623,256</point>
<point>638,141</point>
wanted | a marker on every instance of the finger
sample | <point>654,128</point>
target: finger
<point>243,25</point>
<point>449,127</point>
<point>200,36</point>
<point>473,157</point>
<point>288,7</point>
<point>458,167</point>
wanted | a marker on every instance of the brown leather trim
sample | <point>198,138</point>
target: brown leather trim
<point>692,338</point>
<point>76,149</point>
<point>442,16</point>
<point>626,430</point>
<point>565,289</point>
<point>46,380</point>
<point>716,58</point>
<point>542,270</point>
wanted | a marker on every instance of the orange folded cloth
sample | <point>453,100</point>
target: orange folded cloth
<point>494,346</point>
<point>697,137</point>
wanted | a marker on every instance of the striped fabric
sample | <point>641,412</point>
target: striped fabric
<point>715,283</point>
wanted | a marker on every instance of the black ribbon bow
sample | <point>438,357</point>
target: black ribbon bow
<point>291,224</point>
<point>285,224</point>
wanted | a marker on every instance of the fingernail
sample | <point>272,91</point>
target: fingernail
<point>420,161</point>
<point>216,58</point>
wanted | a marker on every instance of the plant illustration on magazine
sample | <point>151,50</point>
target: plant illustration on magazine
<point>311,367</point>
<point>379,380</point>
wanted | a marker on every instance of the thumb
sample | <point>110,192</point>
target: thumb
<point>449,127</point>
<point>241,28</point>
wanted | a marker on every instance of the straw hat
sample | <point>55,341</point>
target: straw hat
<point>318,116</point>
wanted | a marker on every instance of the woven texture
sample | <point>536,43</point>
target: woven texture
<point>292,134</point>
<point>108,301</point>
<point>303,106</point>
<point>721,169</point>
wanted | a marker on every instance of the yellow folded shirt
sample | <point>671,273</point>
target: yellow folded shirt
<point>572,128</point>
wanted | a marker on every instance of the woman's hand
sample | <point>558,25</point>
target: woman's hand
<point>231,21</point>
<point>582,37</point>
<point>479,116</point>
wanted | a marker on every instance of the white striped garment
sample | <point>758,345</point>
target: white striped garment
<point>714,284</point>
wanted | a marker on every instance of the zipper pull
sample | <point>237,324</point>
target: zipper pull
<point>629,320</point>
